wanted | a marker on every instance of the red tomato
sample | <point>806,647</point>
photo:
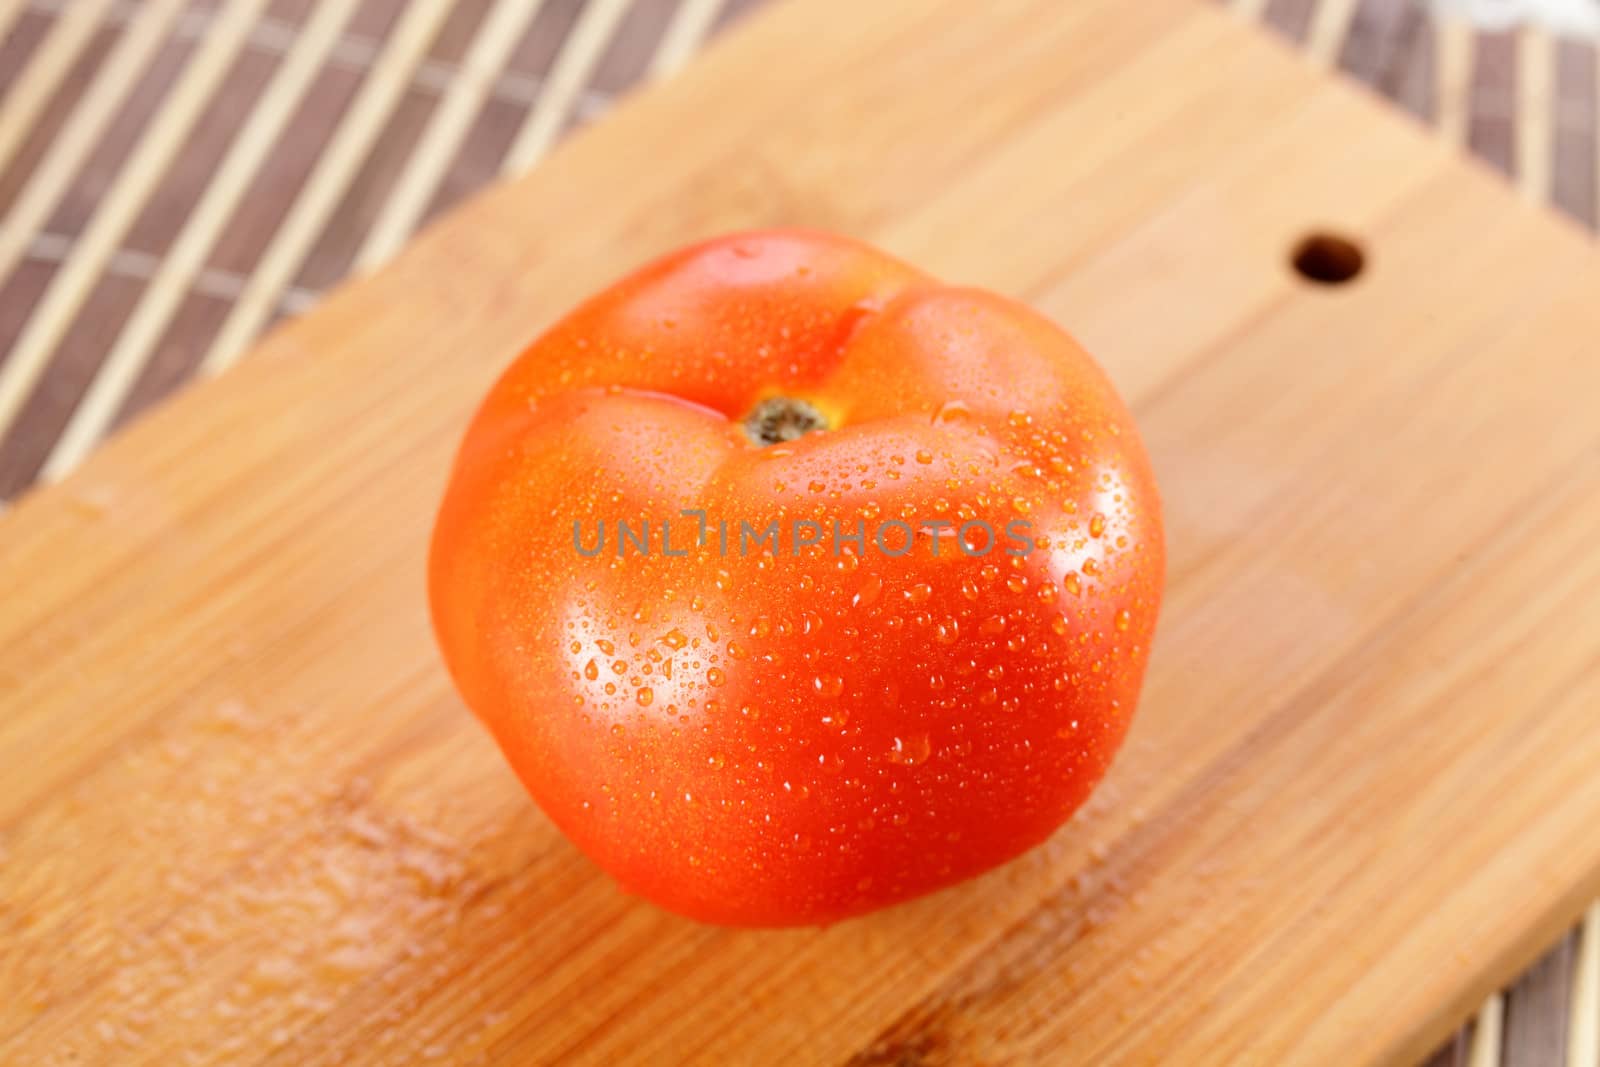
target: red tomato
<point>788,729</point>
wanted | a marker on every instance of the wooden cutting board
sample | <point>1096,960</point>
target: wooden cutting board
<point>244,817</point>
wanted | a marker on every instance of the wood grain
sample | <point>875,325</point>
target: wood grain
<point>246,820</point>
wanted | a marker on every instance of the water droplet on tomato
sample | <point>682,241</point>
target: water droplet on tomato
<point>869,592</point>
<point>828,685</point>
<point>911,750</point>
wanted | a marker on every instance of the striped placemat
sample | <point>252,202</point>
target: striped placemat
<point>176,175</point>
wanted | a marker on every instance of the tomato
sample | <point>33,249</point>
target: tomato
<point>794,583</point>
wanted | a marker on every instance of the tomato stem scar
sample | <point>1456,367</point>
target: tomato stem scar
<point>782,418</point>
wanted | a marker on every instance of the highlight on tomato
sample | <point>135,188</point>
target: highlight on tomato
<point>794,583</point>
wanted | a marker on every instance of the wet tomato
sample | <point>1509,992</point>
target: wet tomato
<point>794,583</point>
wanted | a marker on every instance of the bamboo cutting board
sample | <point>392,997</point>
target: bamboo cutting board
<point>245,818</point>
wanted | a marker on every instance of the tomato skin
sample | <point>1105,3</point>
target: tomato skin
<point>770,739</point>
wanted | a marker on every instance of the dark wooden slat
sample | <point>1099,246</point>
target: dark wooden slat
<point>734,10</point>
<point>481,156</point>
<point>1408,78</point>
<point>374,18</point>
<point>292,11</point>
<point>144,100</point>
<point>455,37</point>
<point>1453,1053</point>
<point>1536,1011</point>
<point>1576,130</point>
<point>15,172</point>
<point>628,56</point>
<point>537,51</point>
<point>174,359</point>
<point>18,294</point>
<point>332,253</point>
<point>18,45</point>
<point>196,162</point>
<point>1491,127</point>
<point>24,449</point>
<point>1292,18</point>
<point>1376,34</point>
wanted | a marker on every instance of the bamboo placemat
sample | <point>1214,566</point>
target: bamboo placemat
<point>176,175</point>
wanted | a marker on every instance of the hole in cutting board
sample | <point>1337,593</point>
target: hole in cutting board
<point>1327,259</point>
